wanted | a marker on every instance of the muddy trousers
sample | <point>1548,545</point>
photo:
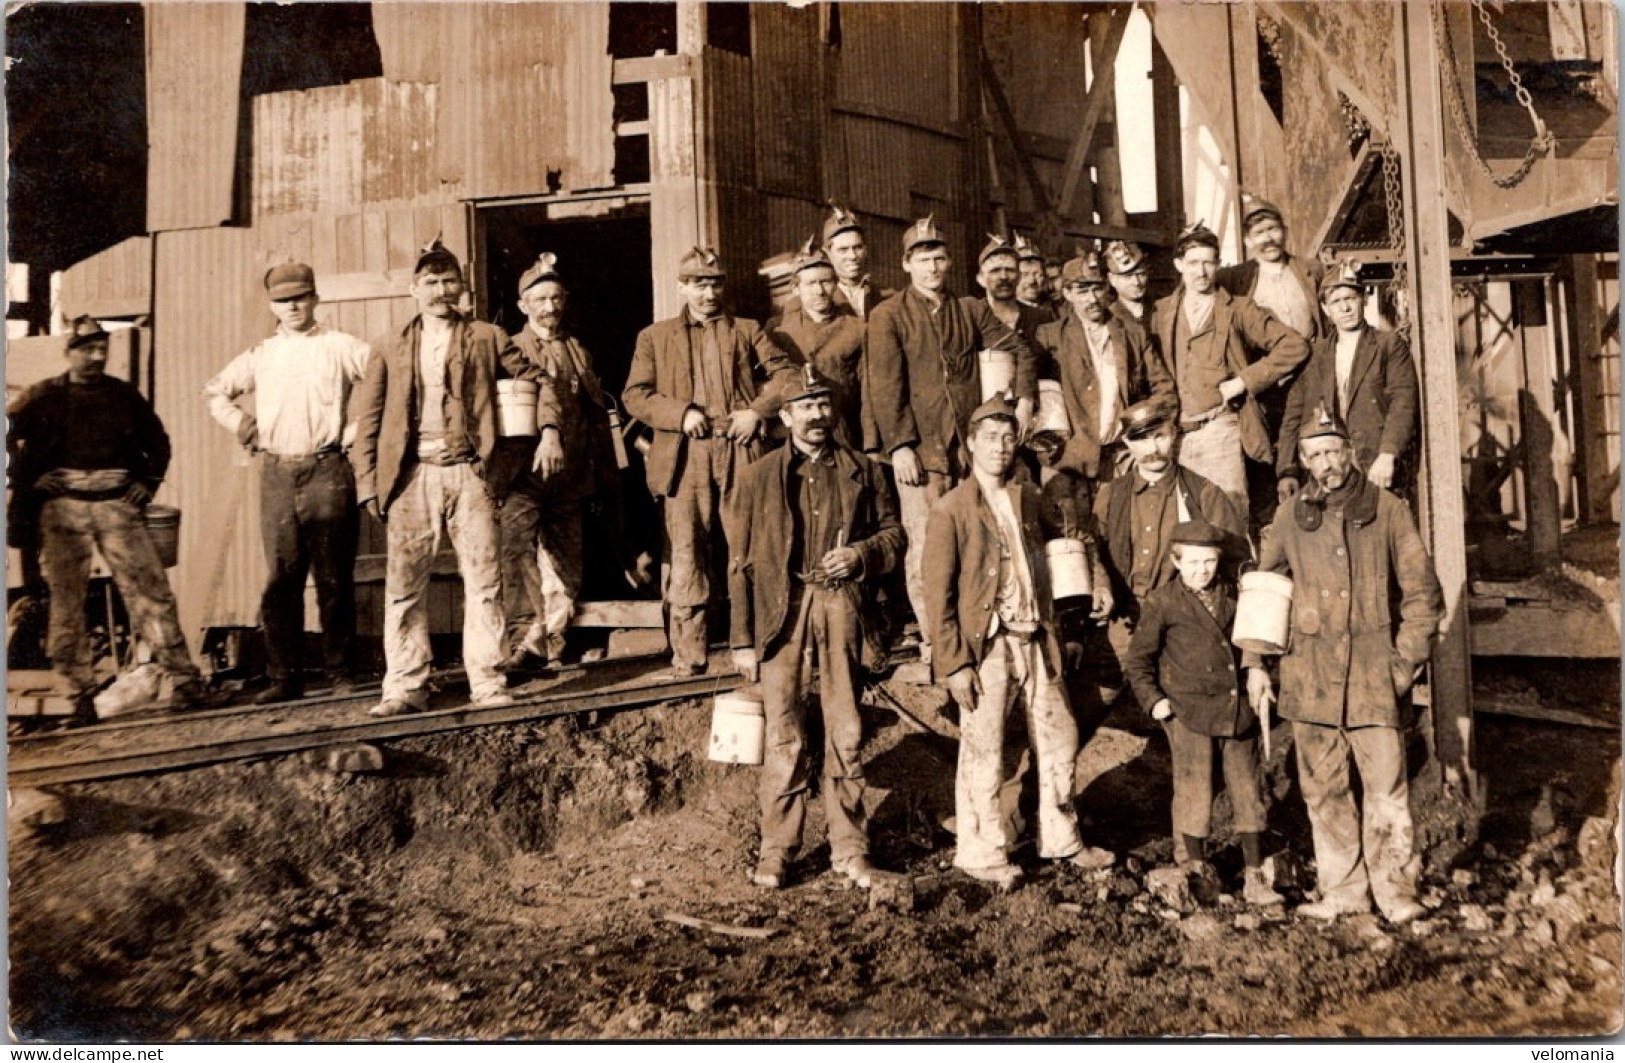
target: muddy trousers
<point>309,526</point>
<point>440,501</point>
<point>1193,754</point>
<point>694,512</point>
<point>827,634</point>
<point>69,529</point>
<point>914,509</point>
<point>1358,848</point>
<point>1014,672</point>
<point>541,570</point>
<point>1214,450</point>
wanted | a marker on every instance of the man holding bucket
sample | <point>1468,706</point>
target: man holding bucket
<point>813,523</point>
<point>547,476</point>
<point>90,449</point>
<point>426,429</point>
<point>998,271</point>
<point>1365,607</point>
<point>704,381</point>
<point>991,615</point>
<point>300,378</point>
<point>922,351</point>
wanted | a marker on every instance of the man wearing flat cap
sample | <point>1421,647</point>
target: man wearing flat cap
<point>998,271</point>
<point>815,331</point>
<point>1105,364</point>
<point>1225,353</point>
<point>815,527</point>
<point>545,481</point>
<point>705,381</point>
<point>1129,271</point>
<point>924,383</point>
<point>1365,608</point>
<point>426,432</point>
<point>87,449</point>
<point>1366,374</point>
<point>991,617</point>
<point>301,378</point>
<point>1135,516</point>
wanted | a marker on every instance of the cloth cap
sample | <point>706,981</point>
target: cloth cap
<point>1196,533</point>
<point>1144,417</point>
<point>839,221</point>
<point>923,233</point>
<point>546,267</point>
<point>1345,274</point>
<point>1002,405</point>
<point>810,383</point>
<point>1027,251</point>
<point>1198,235</point>
<point>1085,269</point>
<point>1325,421</point>
<point>1256,207</point>
<point>436,257</point>
<point>700,262</point>
<point>85,329</point>
<point>996,245</point>
<point>1123,256</point>
<point>289,281</point>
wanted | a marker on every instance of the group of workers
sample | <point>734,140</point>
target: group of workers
<point>866,459</point>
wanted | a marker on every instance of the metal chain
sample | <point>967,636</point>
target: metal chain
<point>1395,207</point>
<point>1540,144</point>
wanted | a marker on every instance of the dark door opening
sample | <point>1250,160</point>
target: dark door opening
<point>604,260</point>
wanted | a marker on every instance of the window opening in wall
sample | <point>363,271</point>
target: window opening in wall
<point>288,48</point>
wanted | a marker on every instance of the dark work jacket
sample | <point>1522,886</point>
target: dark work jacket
<point>835,349</point>
<point>761,528</point>
<point>1382,407</point>
<point>1182,652</point>
<point>1258,349</point>
<point>923,380</point>
<point>1029,319</point>
<point>1114,511</point>
<point>961,576</point>
<point>1140,374</point>
<point>660,386</point>
<point>386,403</point>
<point>571,399</point>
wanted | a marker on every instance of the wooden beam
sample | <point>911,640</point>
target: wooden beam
<point>1568,630</point>
<point>1597,488</point>
<point>1137,233</point>
<point>1537,420</point>
<point>1042,207</point>
<point>643,614</point>
<point>1101,95</point>
<point>1433,337</point>
<point>1507,707</point>
<point>865,109</point>
<point>652,68</point>
<point>356,287</point>
<point>1355,177</point>
<point>1165,124</point>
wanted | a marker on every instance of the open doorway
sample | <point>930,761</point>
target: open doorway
<point>603,249</point>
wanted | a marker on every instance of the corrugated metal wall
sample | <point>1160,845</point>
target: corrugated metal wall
<point>194,75</point>
<point>115,283</point>
<point>788,68</point>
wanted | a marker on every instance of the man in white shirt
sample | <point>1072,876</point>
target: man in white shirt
<point>300,378</point>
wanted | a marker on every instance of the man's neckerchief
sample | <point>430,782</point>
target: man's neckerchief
<point>1357,498</point>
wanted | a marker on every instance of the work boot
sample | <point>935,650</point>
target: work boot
<point>1401,910</point>
<point>1329,908</point>
<point>393,707</point>
<point>771,871</point>
<point>1256,891</point>
<point>1005,877</point>
<point>522,659</point>
<point>858,869</point>
<point>1091,858</point>
<point>341,684</point>
<point>189,694</point>
<point>282,688</point>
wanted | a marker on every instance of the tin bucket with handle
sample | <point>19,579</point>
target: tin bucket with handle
<point>1263,613</point>
<point>516,407</point>
<point>738,727</point>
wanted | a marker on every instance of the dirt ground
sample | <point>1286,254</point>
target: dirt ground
<point>515,882</point>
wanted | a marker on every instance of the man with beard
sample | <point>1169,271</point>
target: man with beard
<point>817,332</point>
<point>998,271</point>
<point>1130,274</point>
<point>922,348</point>
<point>1224,352</point>
<point>704,380</point>
<point>991,617</point>
<point>1364,373</point>
<point>1365,607</point>
<point>815,525</point>
<point>426,428</point>
<point>547,480</point>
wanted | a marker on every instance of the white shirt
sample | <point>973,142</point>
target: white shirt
<point>1198,311</point>
<point>301,384</point>
<point>432,351</point>
<point>1100,353</point>
<point>1278,290</point>
<point>1017,605</point>
<point>1347,344</point>
<point>854,296</point>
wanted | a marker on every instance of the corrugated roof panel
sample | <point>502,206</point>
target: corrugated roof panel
<point>194,76</point>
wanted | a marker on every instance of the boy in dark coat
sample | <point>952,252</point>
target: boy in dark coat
<point>1182,664</point>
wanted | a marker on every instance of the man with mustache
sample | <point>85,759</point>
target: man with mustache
<point>815,526</point>
<point>705,381</point>
<point>816,331</point>
<point>426,431</point>
<point>998,271</point>
<point>87,449</point>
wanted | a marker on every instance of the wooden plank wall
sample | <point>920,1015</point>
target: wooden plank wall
<point>116,282</point>
<point>194,75</point>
